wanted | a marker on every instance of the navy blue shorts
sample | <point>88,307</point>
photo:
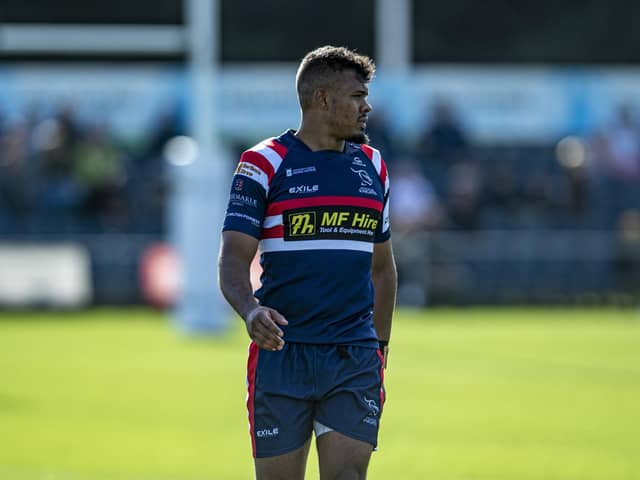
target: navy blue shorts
<point>339,386</point>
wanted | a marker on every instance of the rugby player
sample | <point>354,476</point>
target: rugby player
<point>315,202</point>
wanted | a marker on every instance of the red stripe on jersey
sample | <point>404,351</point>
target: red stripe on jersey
<point>252,365</point>
<point>259,161</point>
<point>273,232</point>
<point>276,208</point>
<point>383,171</point>
<point>367,150</point>
<point>383,167</point>
<point>278,147</point>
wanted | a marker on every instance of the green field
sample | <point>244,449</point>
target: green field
<point>478,394</point>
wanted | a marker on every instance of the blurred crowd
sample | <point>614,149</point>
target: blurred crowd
<point>61,175</point>
<point>537,205</point>
<point>446,182</point>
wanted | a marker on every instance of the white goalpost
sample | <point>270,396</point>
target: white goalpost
<point>200,186</point>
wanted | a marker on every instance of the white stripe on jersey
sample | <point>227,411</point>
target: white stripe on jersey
<point>279,245</point>
<point>270,154</point>
<point>377,163</point>
<point>272,221</point>
<point>377,160</point>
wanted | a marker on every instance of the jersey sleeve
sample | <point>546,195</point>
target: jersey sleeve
<point>250,187</point>
<point>247,199</point>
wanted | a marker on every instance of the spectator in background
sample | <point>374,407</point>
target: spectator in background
<point>58,175</point>
<point>443,144</point>
<point>149,185</point>
<point>16,172</point>
<point>576,182</point>
<point>542,195</point>
<point>415,209</point>
<point>98,167</point>
<point>147,182</point>
<point>501,195</point>
<point>616,161</point>
<point>627,260</point>
<point>617,147</point>
<point>166,128</point>
<point>463,200</point>
<point>415,204</point>
<point>53,140</point>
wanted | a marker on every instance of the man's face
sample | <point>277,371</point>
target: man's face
<point>348,107</point>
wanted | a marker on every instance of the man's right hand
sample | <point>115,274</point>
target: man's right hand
<point>262,326</point>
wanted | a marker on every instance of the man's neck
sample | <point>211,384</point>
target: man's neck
<point>317,138</point>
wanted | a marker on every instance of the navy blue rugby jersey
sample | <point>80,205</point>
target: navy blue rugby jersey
<point>317,216</point>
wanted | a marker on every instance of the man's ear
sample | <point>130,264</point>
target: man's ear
<point>320,98</point>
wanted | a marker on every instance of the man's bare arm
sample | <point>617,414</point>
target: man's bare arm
<point>236,254</point>
<point>385,282</point>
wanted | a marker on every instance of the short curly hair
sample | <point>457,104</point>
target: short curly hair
<point>318,65</point>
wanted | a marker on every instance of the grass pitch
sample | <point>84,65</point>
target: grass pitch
<point>473,394</point>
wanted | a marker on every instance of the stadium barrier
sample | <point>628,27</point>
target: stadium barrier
<point>512,267</point>
<point>44,275</point>
<point>459,268</point>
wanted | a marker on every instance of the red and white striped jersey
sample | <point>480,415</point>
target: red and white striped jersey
<point>317,216</point>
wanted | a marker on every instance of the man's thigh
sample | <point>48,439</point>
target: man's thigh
<point>290,466</point>
<point>342,457</point>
